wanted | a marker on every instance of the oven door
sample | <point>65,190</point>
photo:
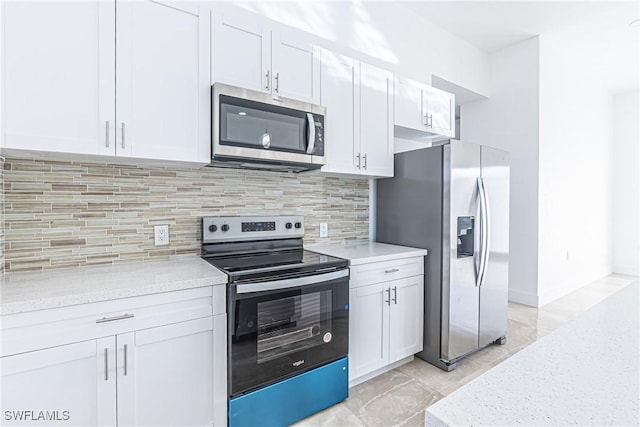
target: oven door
<point>252,125</point>
<point>282,328</point>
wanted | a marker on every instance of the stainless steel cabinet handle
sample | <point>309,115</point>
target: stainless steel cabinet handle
<point>267,76</point>
<point>428,120</point>
<point>388,300</point>
<point>106,134</point>
<point>277,88</point>
<point>364,159</point>
<point>395,295</point>
<point>106,364</point>
<point>393,270</point>
<point>125,360</point>
<point>122,134</point>
<point>111,319</point>
<point>358,157</point>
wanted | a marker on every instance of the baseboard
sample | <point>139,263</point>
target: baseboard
<point>522,297</point>
<point>628,270</point>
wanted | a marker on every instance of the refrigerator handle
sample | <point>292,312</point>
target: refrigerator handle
<point>484,232</point>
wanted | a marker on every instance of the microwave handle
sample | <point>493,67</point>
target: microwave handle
<point>311,134</point>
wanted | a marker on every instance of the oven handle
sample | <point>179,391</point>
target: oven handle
<point>290,283</point>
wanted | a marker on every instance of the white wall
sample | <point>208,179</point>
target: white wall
<point>509,120</point>
<point>626,184</point>
<point>575,175</point>
<point>384,34</point>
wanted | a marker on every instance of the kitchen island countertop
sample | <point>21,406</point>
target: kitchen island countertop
<point>584,373</point>
<point>367,252</point>
<point>38,290</point>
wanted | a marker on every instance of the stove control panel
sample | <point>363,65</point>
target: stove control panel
<point>244,228</point>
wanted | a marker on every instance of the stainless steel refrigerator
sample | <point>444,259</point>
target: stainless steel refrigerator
<point>453,200</point>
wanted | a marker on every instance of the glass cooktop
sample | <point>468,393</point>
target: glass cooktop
<point>275,263</point>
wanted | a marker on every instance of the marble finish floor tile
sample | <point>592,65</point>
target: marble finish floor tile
<point>337,415</point>
<point>399,397</point>
<point>404,404</point>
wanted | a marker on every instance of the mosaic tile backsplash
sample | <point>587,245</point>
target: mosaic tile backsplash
<point>63,214</point>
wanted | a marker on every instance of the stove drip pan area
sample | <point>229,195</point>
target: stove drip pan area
<point>291,400</point>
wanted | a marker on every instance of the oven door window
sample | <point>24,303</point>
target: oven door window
<point>277,334</point>
<point>252,124</point>
<point>292,324</point>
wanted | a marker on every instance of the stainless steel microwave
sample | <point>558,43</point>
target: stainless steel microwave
<point>254,130</point>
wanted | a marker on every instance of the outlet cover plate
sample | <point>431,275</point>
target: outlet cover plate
<point>161,235</point>
<point>324,229</point>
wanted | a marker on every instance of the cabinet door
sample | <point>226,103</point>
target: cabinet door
<point>59,79</point>
<point>295,66</point>
<point>240,52</point>
<point>338,74</point>
<point>368,329</point>
<point>168,380</point>
<point>406,317</point>
<point>77,381</point>
<point>441,112</point>
<point>162,80</point>
<point>409,104</point>
<point>376,120</point>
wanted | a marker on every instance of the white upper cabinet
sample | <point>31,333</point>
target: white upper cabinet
<point>338,96</point>
<point>68,87</point>
<point>441,112</point>
<point>422,110</point>
<point>249,53</point>
<point>59,76</point>
<point>359,121</point>
<point>162,83</point>
<point>376,121</point>
<point>240,51</point>
<point>409,104</point>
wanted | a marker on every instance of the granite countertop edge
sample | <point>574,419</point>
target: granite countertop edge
<point>23,292</point>
<point>364,252</point>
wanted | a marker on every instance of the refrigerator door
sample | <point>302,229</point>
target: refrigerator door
<point>494,285</point>
<point>461,254</point>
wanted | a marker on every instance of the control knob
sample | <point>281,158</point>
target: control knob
<point>213,228</point>
<point>225,227</point>
<point>288,226</point>
<point>298,225</point>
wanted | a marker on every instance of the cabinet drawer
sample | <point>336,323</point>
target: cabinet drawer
<point>366,274</point>
<point>46,328</point>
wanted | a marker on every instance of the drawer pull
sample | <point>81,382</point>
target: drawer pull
<point>111,319</point>
<point>393,270</point>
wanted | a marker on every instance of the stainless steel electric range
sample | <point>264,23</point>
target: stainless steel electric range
<point>288,319</point>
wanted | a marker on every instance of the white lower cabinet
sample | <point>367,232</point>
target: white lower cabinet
<point>72,384</point>
<point>386,317</point>
<point>165,375</point>
<point>148,376</point>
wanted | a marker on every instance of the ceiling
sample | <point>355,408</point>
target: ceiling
<point>598,29</point>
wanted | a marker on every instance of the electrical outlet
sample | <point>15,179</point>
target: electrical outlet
<point>324,229</point>
<point>161,235</point>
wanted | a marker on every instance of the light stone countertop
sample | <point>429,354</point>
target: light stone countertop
<point>37,290</point>
<point>584,373</point>
<point>367,252</point>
